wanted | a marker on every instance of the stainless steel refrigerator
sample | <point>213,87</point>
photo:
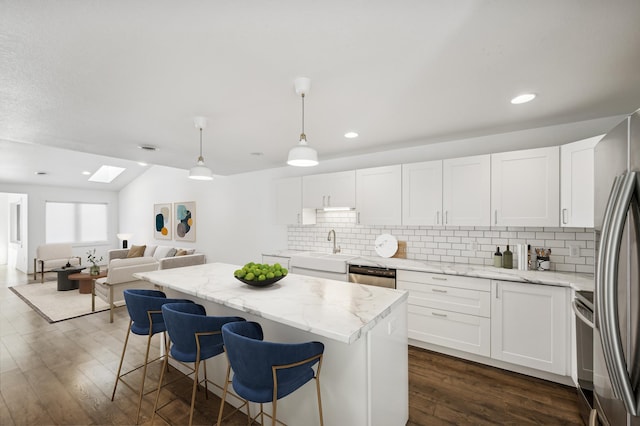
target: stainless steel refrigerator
<point>616,369</point>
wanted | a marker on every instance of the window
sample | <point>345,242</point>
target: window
<point>75,222</point>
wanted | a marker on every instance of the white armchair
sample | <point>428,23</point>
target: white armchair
<point>51,256</point>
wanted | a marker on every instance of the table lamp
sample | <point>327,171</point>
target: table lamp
<point>124,238</point>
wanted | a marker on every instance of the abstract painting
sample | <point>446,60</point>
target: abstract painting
<point>162,221</point>
<point>185,221</point>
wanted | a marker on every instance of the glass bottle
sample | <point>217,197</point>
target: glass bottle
<point>507,259</point>
<point>497,258</point>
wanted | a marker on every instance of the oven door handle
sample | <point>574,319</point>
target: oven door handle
<point>580,315</point>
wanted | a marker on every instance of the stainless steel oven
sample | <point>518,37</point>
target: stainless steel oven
<point>371,275</point>
<point>583,311</point>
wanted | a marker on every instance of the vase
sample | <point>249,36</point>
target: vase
<point>94,270</point>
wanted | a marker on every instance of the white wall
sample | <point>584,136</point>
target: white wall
<point>236,214</point>
<point>35,211</point>
<point>4,228</point>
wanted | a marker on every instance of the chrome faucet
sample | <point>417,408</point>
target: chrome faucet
<point>335,249</point>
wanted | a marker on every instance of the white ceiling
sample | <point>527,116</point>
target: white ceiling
<point>103,77</point>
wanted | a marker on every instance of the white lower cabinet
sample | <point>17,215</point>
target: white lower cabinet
<point>448,310</point>
<point>530,325</point>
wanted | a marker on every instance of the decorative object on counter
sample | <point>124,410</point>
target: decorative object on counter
<point>401,253</point>
<point>260,274</point>
<point>497,258</point>
<point>523,257</point>
<point>386,245</point>
<point>91,257</point>
<point>542,259</point>
<point>507,258</point>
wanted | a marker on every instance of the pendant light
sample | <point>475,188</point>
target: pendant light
<point>200,171</point>
<point>302,155</point>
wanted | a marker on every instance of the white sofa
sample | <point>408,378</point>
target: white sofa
<point>121,269</point>
<point>51,256</point>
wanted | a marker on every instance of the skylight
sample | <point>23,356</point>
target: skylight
<point>106,174</point>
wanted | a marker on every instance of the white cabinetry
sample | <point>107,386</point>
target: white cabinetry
<point>530,325</point>
<point>271,259</point>
<point>466,191</point>
<point>525,187</point>
<point>448,310</point>
<point>577,183</point>
<point>379,195</point>
<point>289,209</point>
<point>422,193</point>
<point>329,190</point>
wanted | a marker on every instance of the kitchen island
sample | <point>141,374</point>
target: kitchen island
<point>364,378</point>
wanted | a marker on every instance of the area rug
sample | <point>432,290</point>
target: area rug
<point>54,305</point>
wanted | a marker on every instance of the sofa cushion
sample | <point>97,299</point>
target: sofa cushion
<point>161,251</point>
<point>130,261</point>
<point>149,251</point>
<point>136,251</point>
<point>54,251</point>
<point>181,252</point>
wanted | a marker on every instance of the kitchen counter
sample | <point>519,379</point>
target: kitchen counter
<point>364,379</point>
<point>576,281</point>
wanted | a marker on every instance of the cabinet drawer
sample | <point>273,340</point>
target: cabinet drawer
<point>451,299</point>
<point>458,281</point>
<point>453,330</point>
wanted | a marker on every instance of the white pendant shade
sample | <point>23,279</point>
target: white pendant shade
<point>200,171</point>
<point>302,155</point>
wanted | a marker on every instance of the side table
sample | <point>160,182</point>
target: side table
<point>87,284</point>
<point>64,283</point>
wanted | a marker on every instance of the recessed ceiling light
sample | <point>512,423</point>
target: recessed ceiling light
<point>40,173</point>
<point>148,147</point>
<point>142,163</point>
<point>524,98</point>
<point>351,135</point>
<point>106,174</point>
<point>86,173</point>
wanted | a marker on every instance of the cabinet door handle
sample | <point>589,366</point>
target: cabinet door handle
<point>358,217</point>
<point>497,288</point>
<point>438,217</point>
<point>323,201</point>
<point>328,200</point>
<point>437,290</point>
<point>439,278</point>
<point>437,314</point>
<point>564,216</point>
<point>298,218</point>
<point>495,217</point>
<point>446,217</point>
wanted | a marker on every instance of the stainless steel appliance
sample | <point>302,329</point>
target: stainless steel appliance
<point>583,310</point>
<point>371,275</point>
<point>616,362</point>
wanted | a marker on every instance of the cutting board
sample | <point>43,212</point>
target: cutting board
<point>401,253</point>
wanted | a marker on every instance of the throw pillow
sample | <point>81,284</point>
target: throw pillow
<point>181,252</point>
<point>161,251</point>
<point>136,251</point>
<point>171,253</point>
<point>148,252</point>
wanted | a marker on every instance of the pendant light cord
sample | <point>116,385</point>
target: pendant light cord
<point>200,142</point>
<point>302,135</point>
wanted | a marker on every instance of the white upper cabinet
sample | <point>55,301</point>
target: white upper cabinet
<point>379,195</point>
<point>289,209</point>
<point>466,191</point>
<point>422,193</point>
<point>525,187</point>
<point>329,190</point>
<point>576,183</point>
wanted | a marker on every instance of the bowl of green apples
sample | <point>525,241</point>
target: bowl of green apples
<point>260,274</point>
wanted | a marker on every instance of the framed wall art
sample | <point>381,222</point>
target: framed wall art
<point>185,221</point>
<point>162,221</point>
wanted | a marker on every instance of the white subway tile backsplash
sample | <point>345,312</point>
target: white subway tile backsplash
<point>473,245</point>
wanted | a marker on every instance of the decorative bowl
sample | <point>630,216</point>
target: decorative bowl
<point>264,283</point>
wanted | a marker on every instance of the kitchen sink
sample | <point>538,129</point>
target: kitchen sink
<point>319,261</point>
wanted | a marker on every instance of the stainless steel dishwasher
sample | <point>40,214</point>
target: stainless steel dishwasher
<point>372,275</point>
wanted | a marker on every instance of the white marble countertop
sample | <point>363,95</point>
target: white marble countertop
<point>577,281</point>
<point>337,310</point>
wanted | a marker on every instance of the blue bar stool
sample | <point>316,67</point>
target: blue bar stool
<point>267,371</point>
<point>195,337</point>
<point>144,307</point>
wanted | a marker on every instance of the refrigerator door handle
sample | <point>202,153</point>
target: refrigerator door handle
<point>599,314</point>
<point>616,363</point>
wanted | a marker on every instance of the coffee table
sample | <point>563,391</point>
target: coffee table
<point>87,284</point>
<point>64,283</point>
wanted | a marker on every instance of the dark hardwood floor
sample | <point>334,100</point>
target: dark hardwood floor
<point>63,373</point>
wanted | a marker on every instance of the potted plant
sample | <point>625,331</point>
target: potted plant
<point>91,257</point>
